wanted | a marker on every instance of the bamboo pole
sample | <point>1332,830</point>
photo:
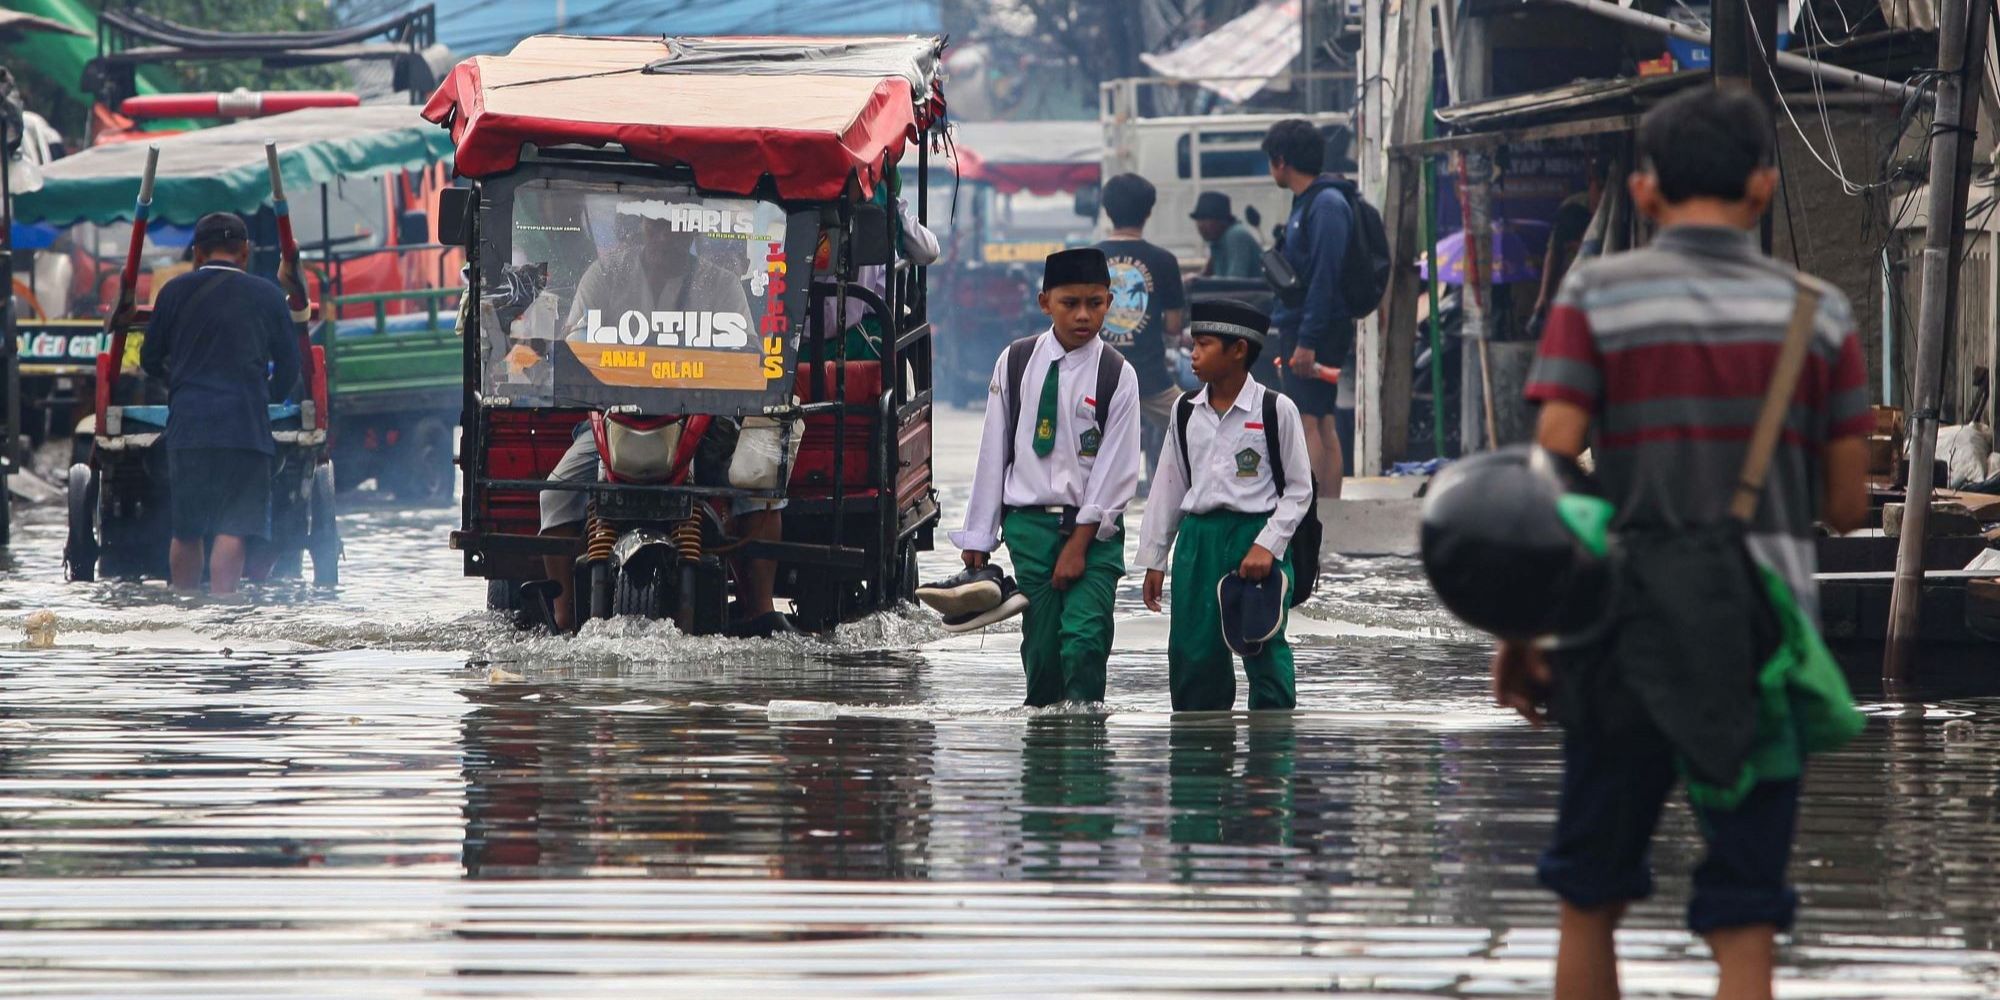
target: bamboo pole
<point>1962,54</point>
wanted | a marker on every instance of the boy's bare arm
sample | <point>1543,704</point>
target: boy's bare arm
<point>1520,675</point>
<point>1844,508</point>
<point>1563,428</point>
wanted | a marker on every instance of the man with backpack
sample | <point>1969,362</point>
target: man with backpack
<point>1058,463</point>
<point>1330,269</point>
<point>1235,487</point>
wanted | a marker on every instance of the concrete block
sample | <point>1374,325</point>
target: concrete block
<point>1947,519</point>
<point>1386,527</point>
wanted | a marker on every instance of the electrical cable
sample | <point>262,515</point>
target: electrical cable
<point>1835,166</point>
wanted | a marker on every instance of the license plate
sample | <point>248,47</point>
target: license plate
<point>624,505</point>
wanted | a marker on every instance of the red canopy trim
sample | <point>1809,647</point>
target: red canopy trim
<point>1034,178</point>
<point>809,132</point>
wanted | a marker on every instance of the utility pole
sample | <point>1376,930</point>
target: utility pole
<point>1306,56</point>
<point>1962,60</point>
<point>1743,49</point>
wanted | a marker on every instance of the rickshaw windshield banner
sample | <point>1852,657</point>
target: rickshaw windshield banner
<point>651,296</point>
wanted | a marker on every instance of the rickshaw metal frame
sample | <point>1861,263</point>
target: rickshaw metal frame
<point>901,403</point>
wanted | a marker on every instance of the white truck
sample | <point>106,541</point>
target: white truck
<point>1185,155</point>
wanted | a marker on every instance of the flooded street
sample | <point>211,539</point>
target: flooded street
<point>385,792</point>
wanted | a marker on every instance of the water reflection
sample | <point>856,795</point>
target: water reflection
<point>342,806</point>
<point>563,790</point>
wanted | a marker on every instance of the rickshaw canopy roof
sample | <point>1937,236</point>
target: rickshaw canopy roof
<point>808,112</point>
<point>1040,157</point>
<point>224,169</point>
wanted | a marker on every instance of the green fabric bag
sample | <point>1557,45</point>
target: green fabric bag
<point>1804,705</point>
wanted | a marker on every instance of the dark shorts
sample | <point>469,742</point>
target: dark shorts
<point>219,491</point>
<point>1316,397</point>
<point>1611,800</point>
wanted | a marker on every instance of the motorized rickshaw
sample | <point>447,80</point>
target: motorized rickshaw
<point>673,244</point>
<point>118,493</point>
<point>365,224</point>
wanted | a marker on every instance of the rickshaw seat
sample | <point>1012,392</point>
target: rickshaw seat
<point>812,472</point>
<point>864,382</point>
<point>523,444</point>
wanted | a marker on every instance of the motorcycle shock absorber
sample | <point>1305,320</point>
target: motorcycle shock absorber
<point>600,538</point>
<point>687,540</point>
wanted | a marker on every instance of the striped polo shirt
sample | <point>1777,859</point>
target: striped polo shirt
<point>1671,349</point>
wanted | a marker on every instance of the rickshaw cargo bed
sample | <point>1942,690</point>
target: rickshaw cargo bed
<point>809,112</point>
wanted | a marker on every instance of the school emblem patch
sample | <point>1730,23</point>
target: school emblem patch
<point>1087,442</point>
<point>1045,430</point>
<point>1247,461</point>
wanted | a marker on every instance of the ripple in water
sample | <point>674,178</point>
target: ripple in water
<point>386,793</point>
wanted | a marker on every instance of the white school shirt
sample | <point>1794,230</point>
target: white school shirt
<point>1099,488</point>
<point>1232,471</point>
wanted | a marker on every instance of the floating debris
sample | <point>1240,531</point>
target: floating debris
<point>1959,729</point>
<point>802,711</point>
<point>499,676</point>
<point>41,628</point>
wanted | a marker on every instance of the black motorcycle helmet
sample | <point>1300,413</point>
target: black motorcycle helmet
<point>1515,543</point>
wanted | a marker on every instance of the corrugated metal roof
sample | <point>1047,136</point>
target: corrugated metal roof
<point>1598,96</point>
<point>1255,47</point>
<point>476,26</point>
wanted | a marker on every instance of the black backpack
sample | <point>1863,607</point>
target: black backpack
<point>1364,263</point>
<point>1109,367</point>
<point>1364,270</point>
<point>1306,540</point>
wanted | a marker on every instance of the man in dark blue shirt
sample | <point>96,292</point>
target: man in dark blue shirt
<point>218,337</point>
<point>1315,328</point>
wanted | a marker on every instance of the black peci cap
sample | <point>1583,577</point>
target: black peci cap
<point>1082,266</point>
<point>217,228</point>
<point>1228,318</point>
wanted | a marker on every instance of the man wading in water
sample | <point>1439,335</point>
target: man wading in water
<point>224,341</point>
<point>1666,354</point>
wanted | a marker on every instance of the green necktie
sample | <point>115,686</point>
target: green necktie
<point>1045,414</point>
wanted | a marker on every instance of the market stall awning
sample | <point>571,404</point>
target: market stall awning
<point>1240,58</point>
<point>223,168</point>
<point>1040,157</point>
<point>807,112</point>
<point>1586,107</point>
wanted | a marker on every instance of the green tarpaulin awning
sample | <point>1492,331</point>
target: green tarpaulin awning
<point>223,168</point>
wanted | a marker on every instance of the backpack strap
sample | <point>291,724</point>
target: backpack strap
<point>1271,441</point>
<point>1312,198</point>
<point>1777,402</point>
<point>1110,366</point>
<point>1183,412</point>
<point>1018,355</point>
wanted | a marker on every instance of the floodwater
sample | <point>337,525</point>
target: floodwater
<point>385,793</point>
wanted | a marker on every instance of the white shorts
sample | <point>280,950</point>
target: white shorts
<point>561,508</point>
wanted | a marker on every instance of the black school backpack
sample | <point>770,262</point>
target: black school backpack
<point>1110,365</point>
<point>1306,540</point>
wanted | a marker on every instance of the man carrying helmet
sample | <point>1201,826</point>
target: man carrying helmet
<point>1660,359</point>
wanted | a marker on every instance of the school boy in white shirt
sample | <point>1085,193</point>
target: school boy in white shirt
<point>1058,463</point>
<point>1218,488</point>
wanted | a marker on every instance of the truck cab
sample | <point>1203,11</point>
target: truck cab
<point>1187,154</point>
